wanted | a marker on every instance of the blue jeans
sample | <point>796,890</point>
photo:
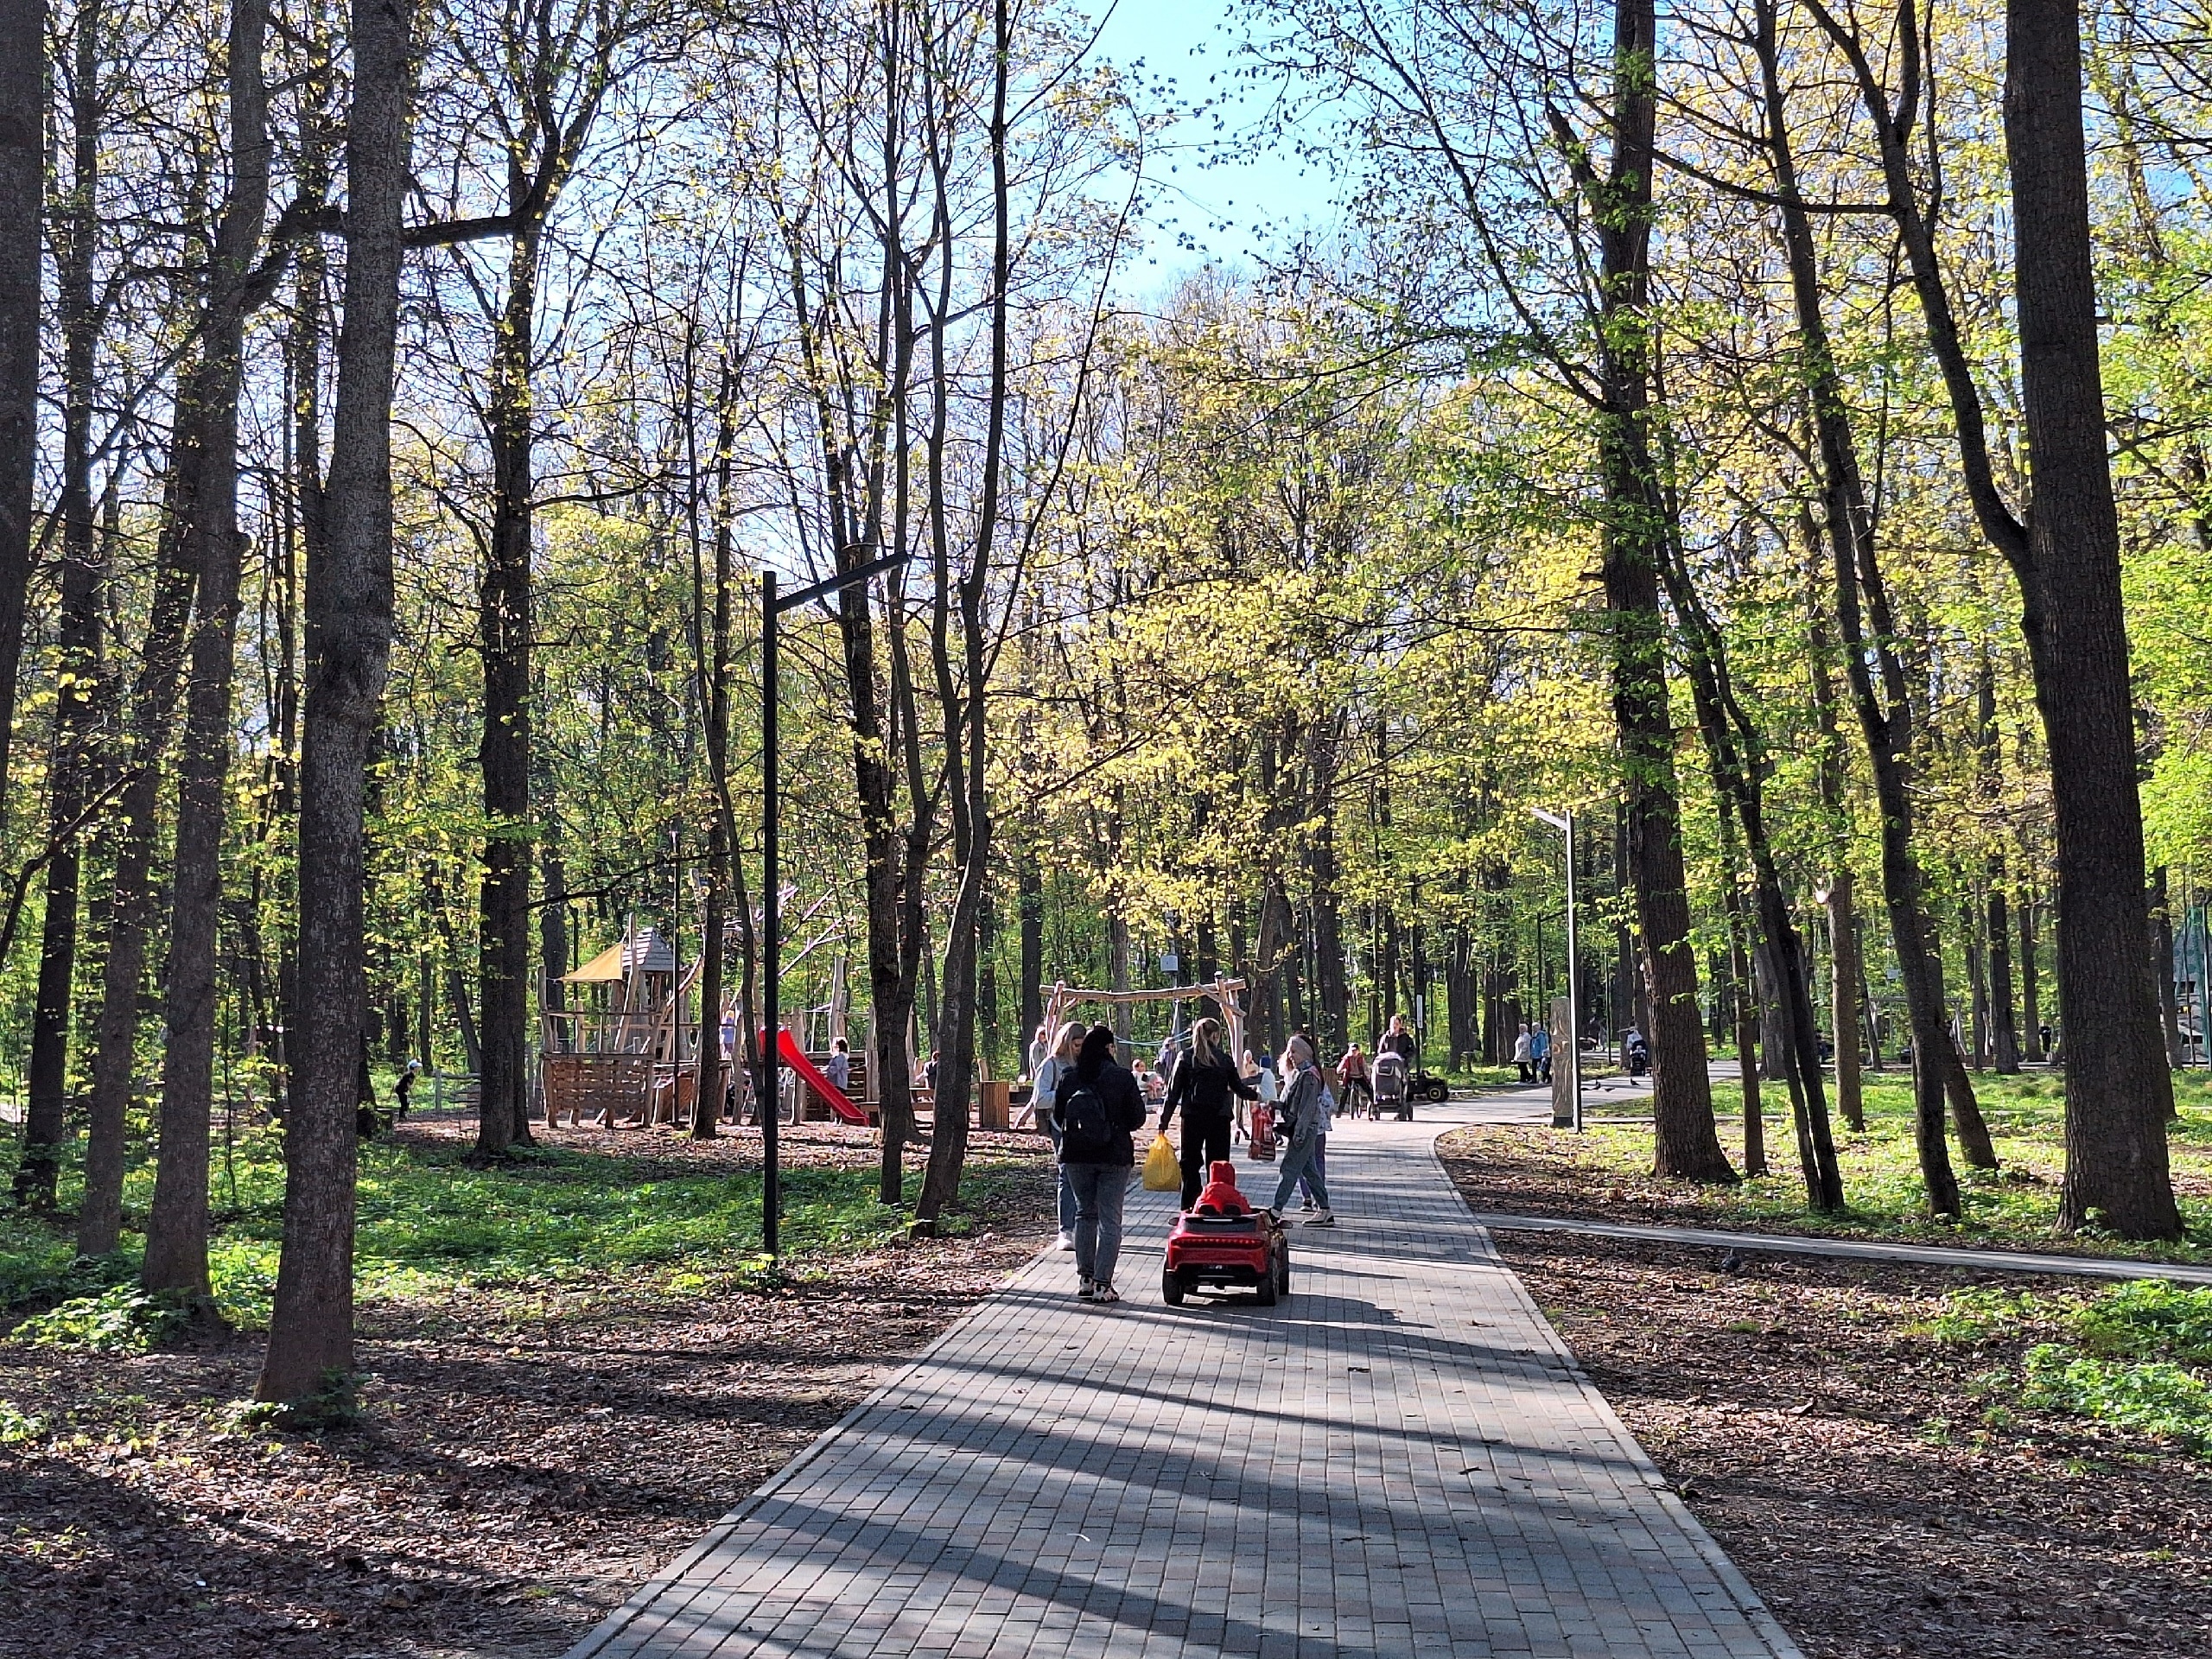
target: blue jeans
<point>1067,1193</point>
<point>1302,1162</point>
<point>1099,1190</point>
<point>1318,1172</point>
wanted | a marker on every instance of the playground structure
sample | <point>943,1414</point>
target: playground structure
<point>1061,999</point>
<point>601,1060</point>
<point>631,1050</point>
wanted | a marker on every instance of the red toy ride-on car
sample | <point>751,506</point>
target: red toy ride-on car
<point>1223,1241</point>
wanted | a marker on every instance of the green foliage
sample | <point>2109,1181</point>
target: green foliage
<point>431,1223</point>
<point>18,1426</point>
<point>2134,1356</point>
<point>125,1320</point>
<point>1971,1318</point>
<point>2149,1317</point>
<point>2165,1400</point>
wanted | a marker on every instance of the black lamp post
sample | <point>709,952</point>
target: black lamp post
<point>773,606</point>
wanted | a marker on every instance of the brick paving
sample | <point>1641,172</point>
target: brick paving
<point>1400,1459</point>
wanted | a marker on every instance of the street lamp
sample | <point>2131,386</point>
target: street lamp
<point>1564,821</point>
<point>772,942</point>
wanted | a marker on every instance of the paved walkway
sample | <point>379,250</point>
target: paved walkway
<point>1402,1459</point>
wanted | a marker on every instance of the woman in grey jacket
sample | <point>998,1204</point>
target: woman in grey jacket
<point>1305,1117</point>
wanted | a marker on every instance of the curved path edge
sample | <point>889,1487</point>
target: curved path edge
<point>1933,1256</point>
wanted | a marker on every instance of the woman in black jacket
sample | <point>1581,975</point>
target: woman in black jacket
<point>1205,1084</point>
<point>1097,1105</point>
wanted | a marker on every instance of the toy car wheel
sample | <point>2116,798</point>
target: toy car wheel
<point>1438,1091</point>
<point>1170,1287</point>
<point>1270,1289</point>
<point>1283,1274</point>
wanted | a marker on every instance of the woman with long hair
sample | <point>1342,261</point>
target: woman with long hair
<point>1058,1061</point>
<point>1207,1085</point>
<point>1306,1117</point>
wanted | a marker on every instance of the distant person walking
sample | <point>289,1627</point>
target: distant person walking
<point>1540,1053</point>
<point>1305,1118</point>
<point>1524,1055</point>
<point>1205,1087</point>
<point>1098,1107</point>
<point>1058,1062</point>
<point>1399,1040</point>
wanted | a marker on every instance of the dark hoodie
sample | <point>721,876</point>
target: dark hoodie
<point>1204,1091</point>
<point>1096,1068</point>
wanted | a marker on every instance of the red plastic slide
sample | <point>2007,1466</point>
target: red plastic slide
<point>832,1095</point>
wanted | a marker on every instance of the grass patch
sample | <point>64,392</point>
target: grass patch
<point>431,1223</point>
<point>2137,1356</point>
<point>2014,1206</point>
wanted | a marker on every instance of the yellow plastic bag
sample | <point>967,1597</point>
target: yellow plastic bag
<point>1163,1171</point>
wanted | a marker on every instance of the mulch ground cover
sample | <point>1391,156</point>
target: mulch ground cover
<point>525,1459</point>
<point>1849,1460</point>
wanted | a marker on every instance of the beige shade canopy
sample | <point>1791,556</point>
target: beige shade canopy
<point>646,949</point>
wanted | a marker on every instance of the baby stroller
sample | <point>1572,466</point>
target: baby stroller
<point>1393,1085</point>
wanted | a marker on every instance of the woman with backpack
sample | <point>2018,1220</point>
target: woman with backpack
<point>1304,1113</point>
<point>1098,1107</point>
<point>1058,1062</point>
<point>1206,1086</point>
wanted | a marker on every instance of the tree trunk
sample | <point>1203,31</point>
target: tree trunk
<point>1737,756</point>
<point>1975,1144</point>
<point>2162,966</point>
<point>1745,1001</point>
<point>2119,1090</point>
<point>1029,899</point>
<point>310,1362</point>
<point>80,666</point>
<point>131,895</point>
<point>504,625</point>
<point>707,1073</point>
<point>1977,982</point>
<point>22,213</point>
<point>2004,1034</point>
<point>967,725</point>
<point>2030,985</point>
<point>1844,977</point>
<point>1686,1140</point>
<point>1885,714</point>
<point>176,1232</point>
<point>1333,1022</point>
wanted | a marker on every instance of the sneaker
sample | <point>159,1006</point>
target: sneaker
<point>1066,1241</point>
<point>1308,1205</point>
<point>1105,1293</point>
<point>1321,1219</point>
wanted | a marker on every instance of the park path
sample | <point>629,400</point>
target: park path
<point>1400,1460</point>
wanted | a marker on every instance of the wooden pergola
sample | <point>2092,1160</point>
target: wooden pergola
<point>1224,993</point>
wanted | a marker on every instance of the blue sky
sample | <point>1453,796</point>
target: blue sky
<point>1228,208</point>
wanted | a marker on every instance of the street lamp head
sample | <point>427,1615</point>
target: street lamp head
<point>1557,821</point>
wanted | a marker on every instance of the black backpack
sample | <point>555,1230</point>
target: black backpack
<point>1086,1131</point>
